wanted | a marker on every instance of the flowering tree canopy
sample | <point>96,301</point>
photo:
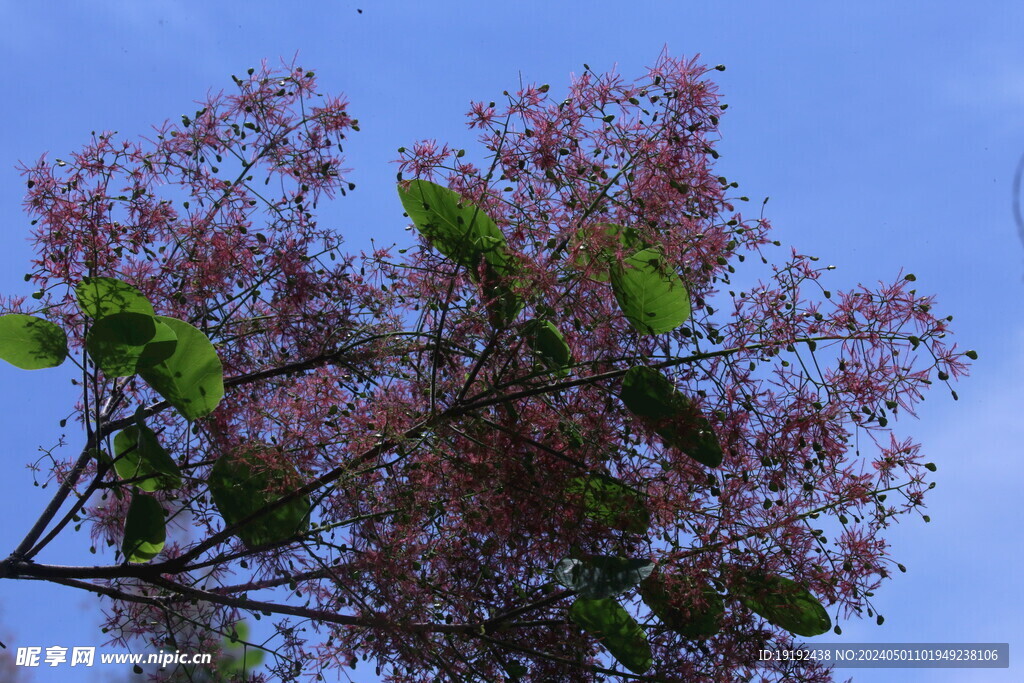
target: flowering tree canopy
<point>549,440</point>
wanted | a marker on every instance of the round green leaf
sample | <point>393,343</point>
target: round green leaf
<point>31,343</point>
<point>142,460</point>
<point>651,295</point>
<point>191,379</point>
<point>691,621</point>
<point>609,501</point>
<point>652,396</point>
<point>784,603</point>
<point>454,226</point>
<point>123,343</point>
<point>607,621</point>
<point>102,296</point>
<point>144,529</point>
<point>597,576</point>
<point>243,484</point>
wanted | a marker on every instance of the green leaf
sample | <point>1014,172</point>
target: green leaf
<point>609,501</point>
<point>784,603</point>
<point>191,379</point>
<point>650,294</point>
<point>597,576</point>
<point>649,394</point>
<point>247,660</point>
<point>461,231</point>
<point>607,621</point>
<point>503,303</point>
<point>653,397</point>
<point>244,484</point>
<point>99,297</point>
<point>549,346</point>
<point>123,343</point>
<point>101,457</point>
<point>602,244</point>
<point>699,620</point>
<point>455,227</point>
<point>144,530</point>
<point>240,632</point>
<point>238,656</point>
<point>31,343</point>
<point>141,458</point>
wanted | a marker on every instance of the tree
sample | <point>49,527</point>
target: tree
<point>552,440</point>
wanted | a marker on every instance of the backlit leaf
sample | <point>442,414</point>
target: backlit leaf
<point>238,656</point>
<point>609,501</point>
<point>455,227</point>
<point>31,343</point>
<point>243,661</point>
<point>144,529</point>
<point>191,379</point>
<point>653,397</point>
<point>123,343</point>
<point>99,297</point>
<point>651,295</point>
<point>243,484</point>
<point>784,603</point>
<point>616,630</point>
<point>701,619</point>
<point>141,459</point>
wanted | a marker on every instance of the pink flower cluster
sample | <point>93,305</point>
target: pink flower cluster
<point>446,455</point>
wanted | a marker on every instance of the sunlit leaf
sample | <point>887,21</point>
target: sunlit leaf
<point>191,379</point>
<point>455,226</point>
<point>651,295</point>
<point>243,484</point>
<point>144,529</point>
<point>652,396</point>
<point>597,576</point>
<point>31,343</point>
<point>701,619</point>
<point>102,296</point>
<point>609,501</point>
<point>783,602</point>
<point>142,460</point>
<point>616,630</point>
<point>123,343</point>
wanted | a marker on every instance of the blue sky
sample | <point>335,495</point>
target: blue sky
<point>885,134</point>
